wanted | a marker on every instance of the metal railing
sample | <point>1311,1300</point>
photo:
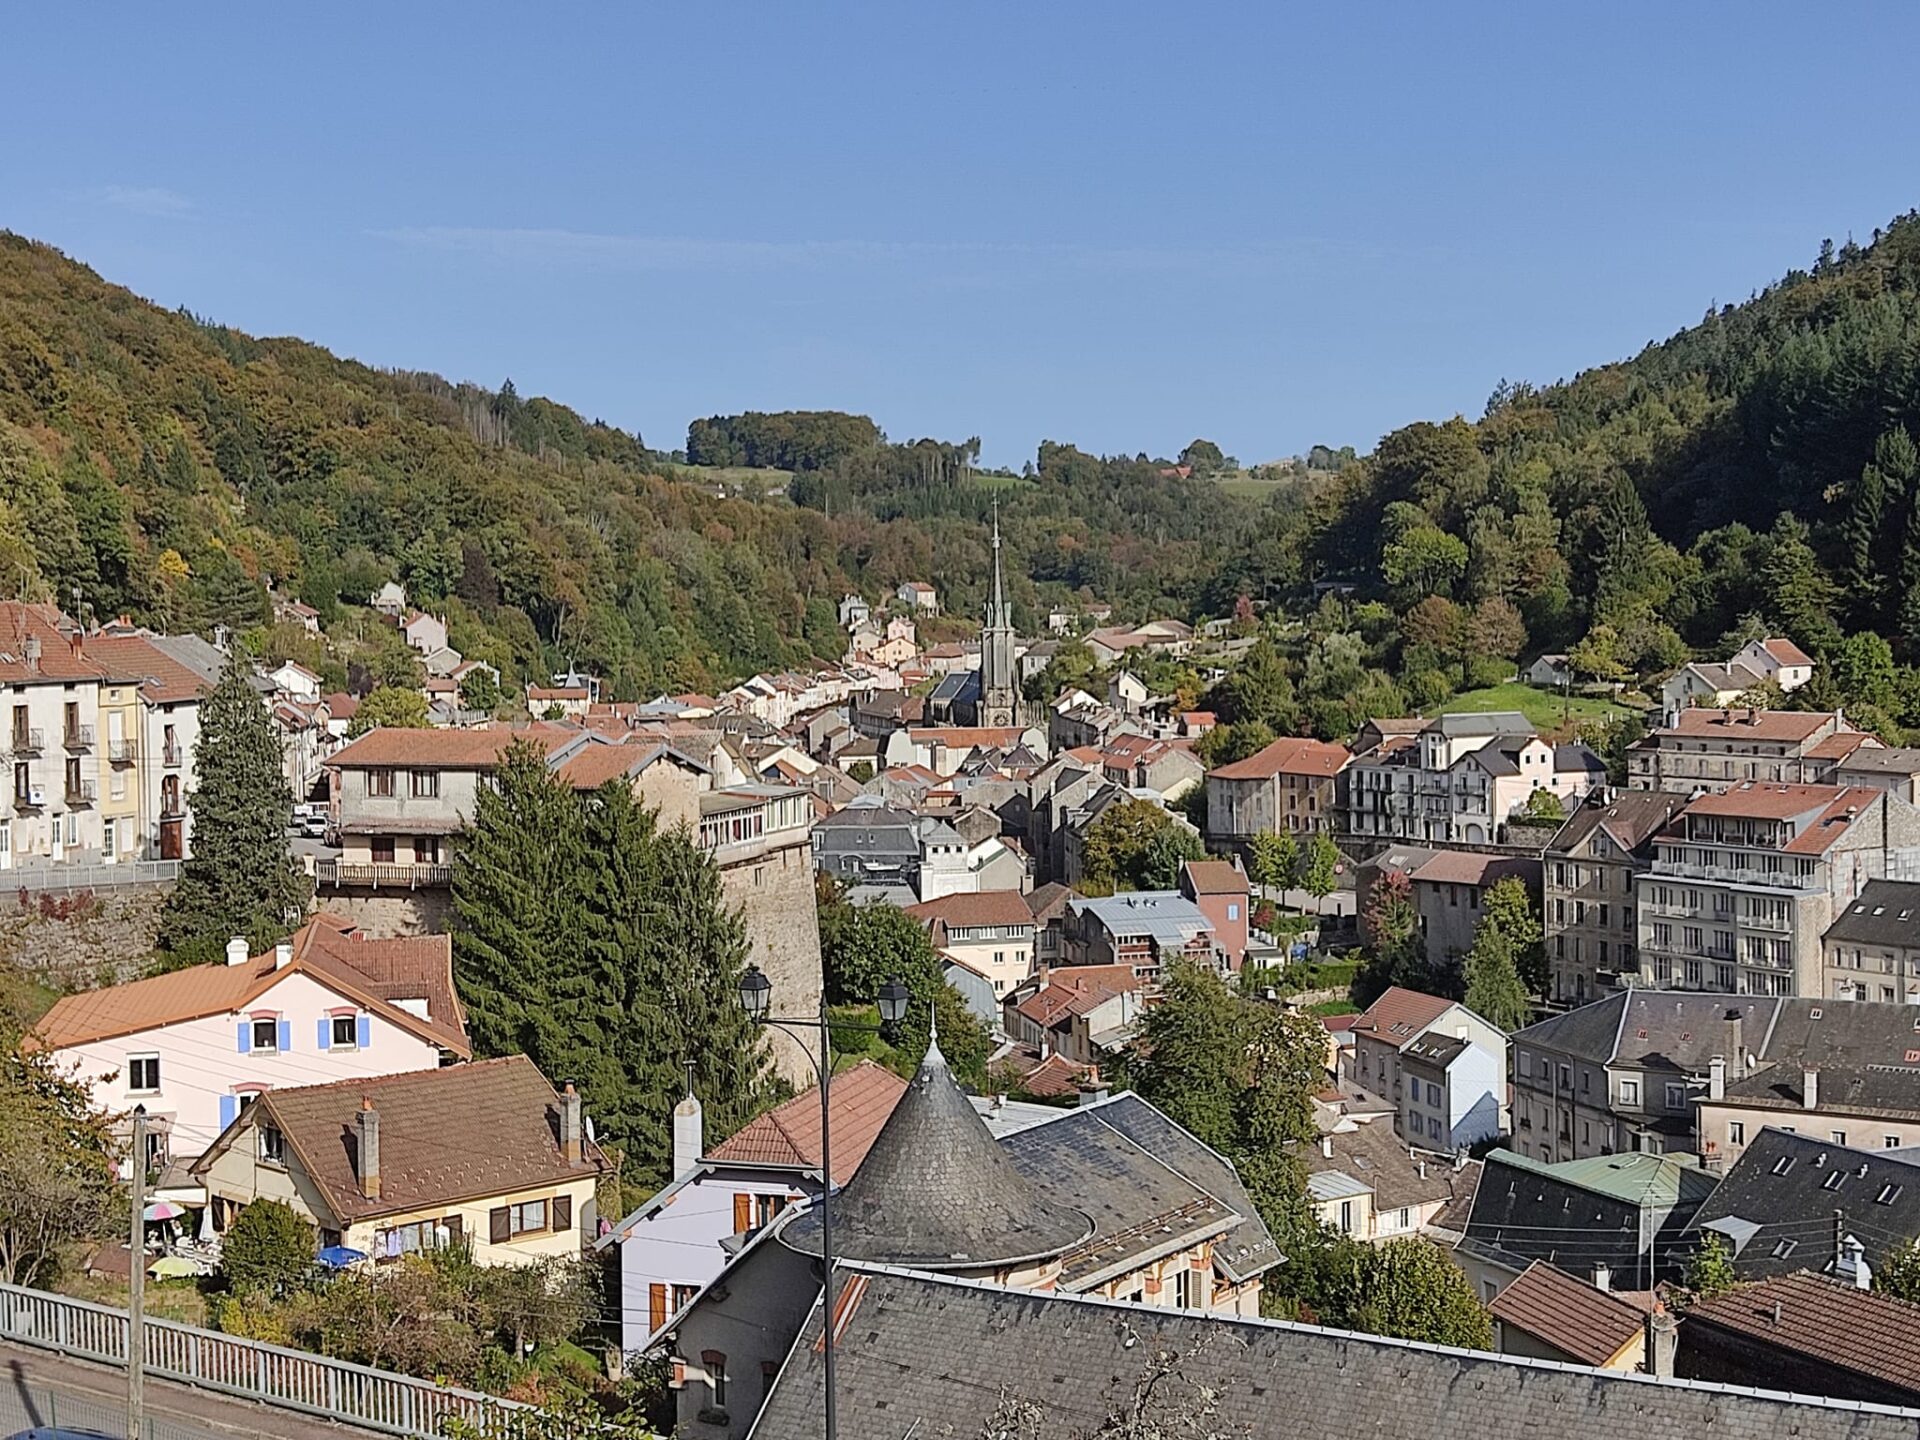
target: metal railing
<point>80,792</point>
<point>271,1374</point>
<point>77,737</point>
<point>123,752</point>
<point>88,876</point>
<point>172,755</point>
<point>27,742</point>
<point>403,877</point>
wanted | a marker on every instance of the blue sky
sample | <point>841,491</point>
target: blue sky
<point>1118,224</point>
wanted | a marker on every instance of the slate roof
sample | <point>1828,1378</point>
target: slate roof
<point>789,1134</point>
<point>462,1132</point>
<point>937,1191</point>
<point>929,1355</point>
<point>1778,1201</point>
<point>1583,1214</point>
<point>1481,722</point>
<point>1892,1091</point>
<point>1850,1330</point>
<point>1879,759</point>
<point>1886,912</point>
<point>1582,1321</point>
<point>1670,1030</point>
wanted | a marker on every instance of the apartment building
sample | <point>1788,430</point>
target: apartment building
<point>1872,949</point>
<point>1439,1066</point>
<point>1459,779</point>
<point>1744,883</point>
<point>1293,785</point>
<point>1713,749</point>
<point>1590,872</point>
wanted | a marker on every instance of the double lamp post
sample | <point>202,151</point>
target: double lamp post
<point>756,997</point>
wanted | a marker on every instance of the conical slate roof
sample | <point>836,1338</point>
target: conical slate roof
<point>936,1192</point>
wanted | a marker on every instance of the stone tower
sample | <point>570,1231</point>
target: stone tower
<point>999,681</point>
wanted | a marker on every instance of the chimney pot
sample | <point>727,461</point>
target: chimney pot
<point>369,1135</point>
<point>689,1141</point>
<point>1602,1278</point>
<point>283,955</point>
<point>237,950</point>
<point>1663,1339</point>
<point>1809,1088</point>
<point>1326,1147</point>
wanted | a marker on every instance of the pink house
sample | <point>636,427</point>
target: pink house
<point>1219,889</point>
<point>193,1045</point>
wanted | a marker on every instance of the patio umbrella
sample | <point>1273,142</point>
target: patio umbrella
<point>174,1267</point>
<point>162,1210</point>
<point>338,1257</point>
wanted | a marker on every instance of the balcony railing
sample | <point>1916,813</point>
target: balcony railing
<point>33,798</point>
<point>172,755</point>
<point>123,752</point>
<point>381,874</point>
<point>77,737</point>
<point>80,792</point>
<point>27,742</point>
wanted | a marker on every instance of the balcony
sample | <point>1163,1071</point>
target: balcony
<point>34,797</point>
<point>381,875</point>
<point>80,792</point>
<point>172,755</point>
<point>77,737</point>
<point>27,742</point>
<point>123,752</point>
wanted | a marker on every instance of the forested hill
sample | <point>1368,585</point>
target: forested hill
<point>163,466</point>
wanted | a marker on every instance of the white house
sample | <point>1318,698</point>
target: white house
<point>425,633</point>
<point>290,677</point>
<point>920,595</point>
<point>390,599</point>
<point>1550,672</point>
<point>853,612</point>
<point>1441,1067</point>
<point>193,1045</point>
<point>1777,659</point>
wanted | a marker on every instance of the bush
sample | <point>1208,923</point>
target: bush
<point>1485,671</point>
<point>267,1248</point>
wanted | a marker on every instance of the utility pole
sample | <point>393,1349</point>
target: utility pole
<point>137,1275</point>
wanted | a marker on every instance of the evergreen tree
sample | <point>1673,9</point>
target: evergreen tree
<point>603,948</point>
<point>241,878</point>
<point>1801,594</point>
<point>1908,610</point>
<point>1866,519</point>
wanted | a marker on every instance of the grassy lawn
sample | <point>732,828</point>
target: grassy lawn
<point>1543,708</point>
<point>1247,487</point>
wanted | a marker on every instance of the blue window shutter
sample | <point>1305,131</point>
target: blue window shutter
<point>366,1032</point>
<point>286,1036</point>
<point>245,1038</point>
<point>325,1034</point>
<point>229,1107</point>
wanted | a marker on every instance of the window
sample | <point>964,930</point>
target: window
<point>1888,1194</point>
<point>143,1073</point>
<point>1839,1137</point>
<point>380,783</point>
<point>1832,1182</point>
<point>1736,1132</point>
<point>1783,1248</point>
<point>273,1145</point>
<point>382,847</point>
<point>1346,1217</point>
<point>425,784</point>
<point>1433,1127</point>
<point>1676,1096</point>
<point>1629,1092</point>
<point>1889,1142</point>
<point>426,850</point>
<point>346,1032</point>
<point>765,1207</point>
<point>1186,1290</point>
<point>527,1217</point>
<point>1783,1165</point>
<point>1233,910</point>
<point>1433,1093</point>
<point>266,1034</point>
<point>716,1364</point>
<point>399,1240</point>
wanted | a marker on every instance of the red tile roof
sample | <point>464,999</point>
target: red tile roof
<point>378,973</point>
<point>431,1150</point>
<point>1400,1015</point>
<point>789,1134</point>
<point>1839,747</point>
<point>59,658</point>
<point>1461,867</point>
<point>965,912</point>
<point>163,679</point>
<point>1743,724</point>
<point>478,749</point>
<point>1855,1330</point>
<point>1290,755</point>
<point>1215,877</point>
<point>1786,652</point>
<point>1580,1320</point>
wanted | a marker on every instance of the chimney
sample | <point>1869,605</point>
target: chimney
<point>1717,1078</point>
<point>1850,1263</point>
<point>369,1149</point>
<point>1663,1338</point>
<point>1091,1094</point>
<point>1602,1277</point>
<point>77,643</point>
<point>1326,1147</point>
<point>689,1133</point>
<point>1809,1088</point>
<point>283,955</point>
<point>1421,1167</point>
<point>237,950</point>
<point>1736,1054</point>
<point>570,1127</point>
<point>33,653</point>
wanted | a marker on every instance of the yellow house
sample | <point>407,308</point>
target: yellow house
<point>122,788</point>
<point>486,1154</point>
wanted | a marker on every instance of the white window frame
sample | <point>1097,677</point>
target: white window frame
<point>141,1059</point>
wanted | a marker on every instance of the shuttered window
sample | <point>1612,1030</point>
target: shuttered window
<point>562,1212</point>
<point>742,1213</point>
<point>656,1306</point>
<point>499,1225</point>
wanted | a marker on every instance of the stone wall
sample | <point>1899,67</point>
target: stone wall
<point>386,913</point>
<point>774,893</point>
<point>103,938</point>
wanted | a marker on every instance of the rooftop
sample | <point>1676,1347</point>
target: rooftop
<point>1853,1330</point>
<point>789,1134</point>
<point>1400,1015</point>
<point>1215,877</point>
<point>927,1355</point>
<point>1886,912</point>
<point>1791,726</point>
<point>1290,755</point>
<point>477,749</point>
<point>427,1126</point>
<point>975,910</point>
<point>1580,1320</point>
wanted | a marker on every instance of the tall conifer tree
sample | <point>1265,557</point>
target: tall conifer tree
<point>241,878</point>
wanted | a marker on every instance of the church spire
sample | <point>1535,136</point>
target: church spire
<point>998,617</point>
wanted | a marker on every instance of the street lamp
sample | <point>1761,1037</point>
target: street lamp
<point>756,998</point>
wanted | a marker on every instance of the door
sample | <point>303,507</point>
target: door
<point>172,841</point>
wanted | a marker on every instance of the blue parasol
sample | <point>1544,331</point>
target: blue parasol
<point>338,1257</point>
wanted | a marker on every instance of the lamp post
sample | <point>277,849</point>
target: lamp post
<point>756,997</point>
